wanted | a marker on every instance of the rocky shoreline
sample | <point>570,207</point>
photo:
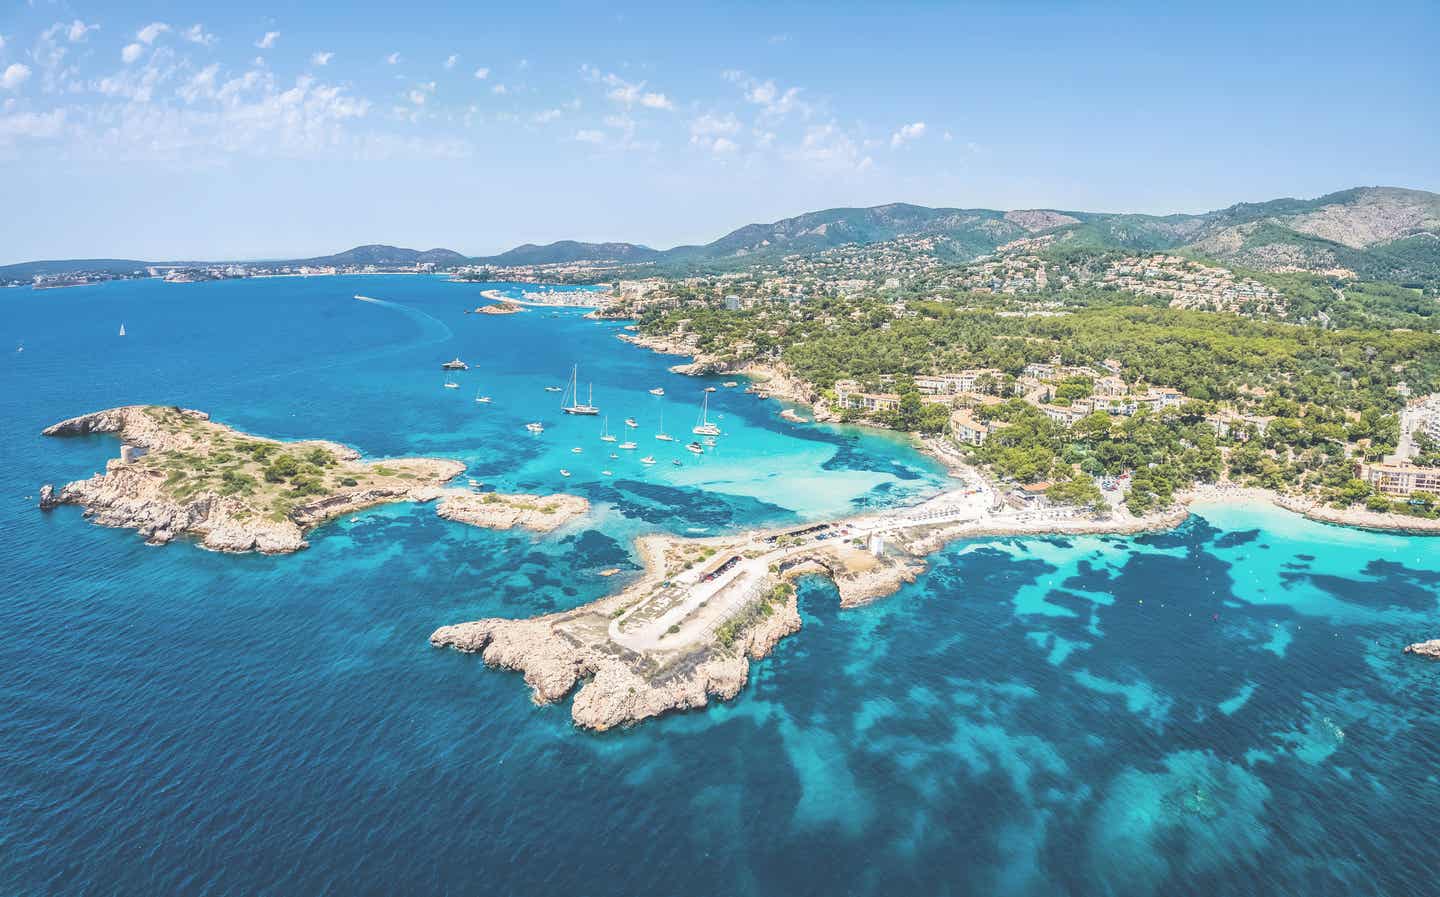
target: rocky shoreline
<point>540,513</point>
<point>623,679</point>
<point>181,474</point>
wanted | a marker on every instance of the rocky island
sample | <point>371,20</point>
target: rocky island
<point>180,473</point>
<point>502,307</point>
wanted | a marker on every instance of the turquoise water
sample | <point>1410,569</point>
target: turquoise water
<point>1221,710</point>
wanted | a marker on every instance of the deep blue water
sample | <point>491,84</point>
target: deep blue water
<point>1222,710</point>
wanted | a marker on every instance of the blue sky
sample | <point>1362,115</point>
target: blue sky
<point>208,130</point>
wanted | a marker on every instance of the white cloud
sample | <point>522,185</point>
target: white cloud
<point>392,59</point>
<point>482,73</point>
<point>201,85</point>
<point>773,100</point>
<point>452,60</point>
<point>77,30</point>
<point>545,117</point>
<point>590,136</point>
<point>626,93</point>
<point>2,41</point>
<point>723,146</point>
<point>421,92</point>
<point>947,137</point>
<point>500,89</point>
<point>196,34</point>
<point>149,33</point>
<point>14,75</point>
<point>714,125</point>
<point>131,52</point>
<point>31,125</point>
<point>268,40</point>
<point>828,148</point>
<point>321,58</point>
<point>907,133</point>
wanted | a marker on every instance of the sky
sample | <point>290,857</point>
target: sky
<point>203,130</point>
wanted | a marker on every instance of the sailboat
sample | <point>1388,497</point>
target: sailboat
<point>122,329</point>
<point>703,427</point>
<point>451,384</point>
<point>662,435</point>
<point>482,400</point>
<point>573,393</point>
<point>605,434</point>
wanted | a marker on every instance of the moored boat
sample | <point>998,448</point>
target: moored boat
<point>572,392</point>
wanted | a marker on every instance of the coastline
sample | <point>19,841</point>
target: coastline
<point>181,474</point>
<point>781,384</point>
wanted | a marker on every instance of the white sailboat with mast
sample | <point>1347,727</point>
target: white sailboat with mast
<point>662,435</point>
<point>572,394</point>
<point>605,434</point>
<point>703,427</point>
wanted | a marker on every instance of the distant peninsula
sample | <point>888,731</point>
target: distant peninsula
<point>181,474</point>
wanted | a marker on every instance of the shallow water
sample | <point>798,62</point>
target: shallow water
<point>1221,710</point>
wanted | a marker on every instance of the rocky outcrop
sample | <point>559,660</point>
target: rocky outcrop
<point>541,513</point>
<point>181,474</point>
<point>621,687</point>
<point>1430,649</point>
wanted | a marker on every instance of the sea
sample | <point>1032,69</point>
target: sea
<point>1223,709</point>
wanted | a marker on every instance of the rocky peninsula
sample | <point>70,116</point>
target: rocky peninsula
<point>687,630</point>
<point>181,474</point>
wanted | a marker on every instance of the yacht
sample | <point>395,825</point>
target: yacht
<point>572,392</point>
<point>451,384</point>
<point>576,450</point>
<point>535,427</point>
<point>657,391</point>
<point>703,427</point>
<point>564,472</point>
<point>709,389</point>
<point>454,364</point>
<point>695,448</point>
<point>606,473</point>
<point>483,400</point>
<point>554,389</point>
<point>676,462</point>
<point>730,384</point>
<point>648,459</point>
<point>627,444</point>
<point>631,422</point>
<point>605,434</point>
<point>662,435</point>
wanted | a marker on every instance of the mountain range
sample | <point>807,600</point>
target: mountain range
<point>1382,233</point>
